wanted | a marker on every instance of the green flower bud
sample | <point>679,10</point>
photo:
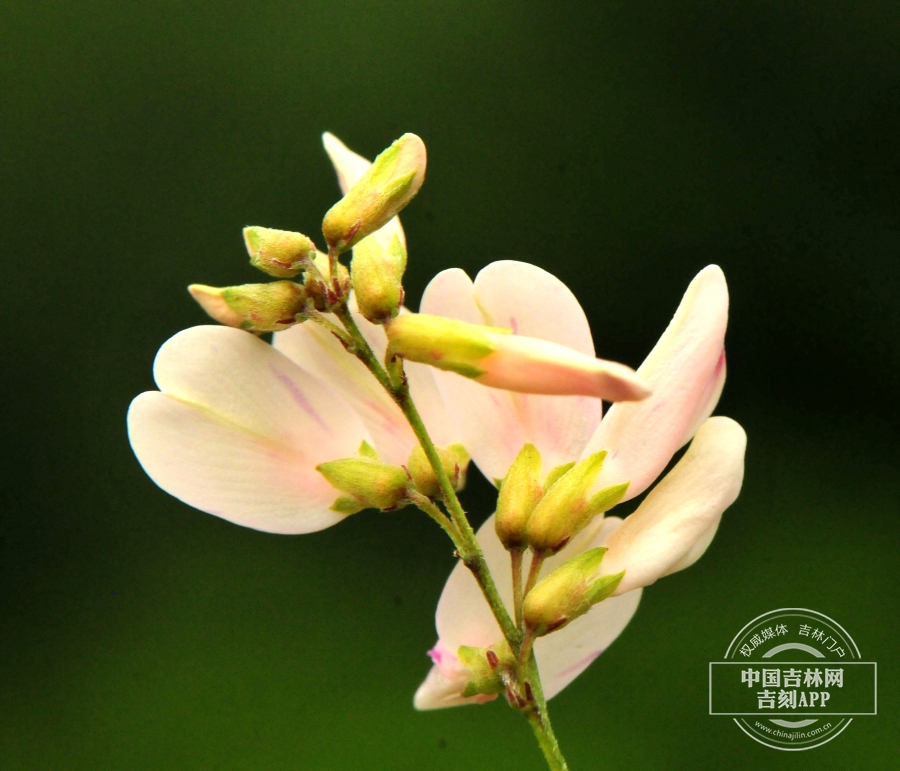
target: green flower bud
<point>443,343</point>
<point>455,461</point>
<point>486,667</point>
<point>377,277</point>
<point>520,492</point>
<point>567,507</point>
<point>318,291</point>
<point>279,253</point>
<point>254,307</point>
<point>568,592</point>
<point>369,484</point>
<point>390,183</point>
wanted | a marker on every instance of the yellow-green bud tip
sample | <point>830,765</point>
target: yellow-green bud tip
<point>255,307</point>
<point>279,253</point>
<point>568,592</point>
<point>367,482</point>
<point>384,190</point>
<point>377,276</point>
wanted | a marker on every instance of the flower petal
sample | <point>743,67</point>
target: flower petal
<point>317,351</point>
<point>223,469</point>
<point>487,420</point>
<point>464,618</point>
<point>686,372</point>
<point>566,653</point>
<point>350,167</point>
<point>230,400</point>
<point>494,425</point>
<point>676,522</point>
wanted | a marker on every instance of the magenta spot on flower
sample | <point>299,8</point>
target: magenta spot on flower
<point>514,325</point>
<point>298,397</point>
<point>720,363</point>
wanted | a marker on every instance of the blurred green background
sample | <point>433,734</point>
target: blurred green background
<point>622,146</point>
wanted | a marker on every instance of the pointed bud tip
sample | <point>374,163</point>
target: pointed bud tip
<point>211,300</point>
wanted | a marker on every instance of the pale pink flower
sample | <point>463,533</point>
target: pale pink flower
<point>239,426</point>
<point>671,528</point>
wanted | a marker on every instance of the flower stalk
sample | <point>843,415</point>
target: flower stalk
<point>457,526</point>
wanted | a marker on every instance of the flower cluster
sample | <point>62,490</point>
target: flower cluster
<point>358,403</point>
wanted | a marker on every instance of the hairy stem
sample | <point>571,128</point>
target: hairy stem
<point>515,558</point>
<point>460,531</point>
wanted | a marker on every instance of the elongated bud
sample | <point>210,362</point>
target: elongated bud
<point>455,461</point>
<point>369,484</point>
<point>321,293</point>
<point>392,181</point>
<point>520,492</point>
<point>486,667</point>
<point>495,358</point>
<point>377,276</point>
<point>567,507</point>
<point>568,592</point>
<point>443,343</point>
<point>255,307</point>
<point>279,253</point>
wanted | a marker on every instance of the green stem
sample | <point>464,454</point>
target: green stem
<point>463,537</point>
<point>537,560</point>
<point>543,732</point>
<point>515,558</point>
<point>431,509</point>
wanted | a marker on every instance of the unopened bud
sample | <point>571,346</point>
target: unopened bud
<point>255,307</point>
<point>486,667</point>
<point>321,290</point>
<point>280,253</point>
<point>369,484</point>
<point>377,276</point>
<point>568,592</point>
<point>443,343</point>
<point>496,358</point>
<point>567,508</point>
<point>389,185</point>
<point>455,461</point>
<point>520,492</point>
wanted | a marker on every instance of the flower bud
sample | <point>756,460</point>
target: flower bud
<point>485,667</point>
<point>568,592</point>
<point>520,492</point>
<point>566,507</point>
<point>496,358</point>
<point>377,276</point>
<point>279,253</point>
<point>389,185</point>
<point>455,461</point>
<point>318,291</point>
<point>369,484</point>
<point>443,343</point>
<point>255,307</point>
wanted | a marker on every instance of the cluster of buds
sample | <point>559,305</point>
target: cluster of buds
<point>543,514</point>
<point>368,483</point>
<point>376,268</point>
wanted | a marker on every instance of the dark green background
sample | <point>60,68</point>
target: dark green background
<point>621,145</point>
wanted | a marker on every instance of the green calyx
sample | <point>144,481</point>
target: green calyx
<point>384,190</point>
<point>486,667</point>
<point>369,483</point>
<point>568,592</point>
<point>455,463</point>
<point>447,344</point>
<point>268,307</point>
<point>376,273</point>
<point>567,508</point>
<point>519,493</point>
<point>280,253</point>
